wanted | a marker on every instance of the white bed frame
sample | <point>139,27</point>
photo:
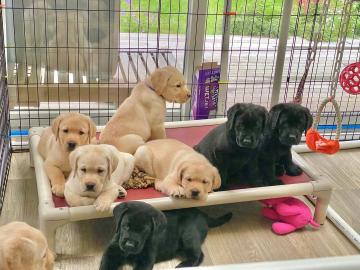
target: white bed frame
<point>50,218</point>
<point>328,263</point>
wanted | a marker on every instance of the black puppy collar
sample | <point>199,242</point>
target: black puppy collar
<point>149,86</point>
<point>152,88</point>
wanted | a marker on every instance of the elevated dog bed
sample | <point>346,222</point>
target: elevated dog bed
<point>54,212</point>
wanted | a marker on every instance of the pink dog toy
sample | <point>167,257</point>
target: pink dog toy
<point>290,213</point>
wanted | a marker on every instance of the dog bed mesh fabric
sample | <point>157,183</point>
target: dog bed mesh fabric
<point>191,136</point>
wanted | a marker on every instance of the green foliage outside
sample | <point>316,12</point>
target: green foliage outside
<point>254,18</point>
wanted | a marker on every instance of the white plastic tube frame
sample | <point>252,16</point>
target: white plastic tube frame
<point>50,218</point>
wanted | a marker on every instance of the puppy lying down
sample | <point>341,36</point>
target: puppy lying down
<point>24,247</point>
<point>98,171</point>
<point>178,169</point>
<point>145,235</point>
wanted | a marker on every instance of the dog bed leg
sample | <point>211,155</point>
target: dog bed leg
<point>31,161</point>
<point>322,203</point>
<point>48,227</point>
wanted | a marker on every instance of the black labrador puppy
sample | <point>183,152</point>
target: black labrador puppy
<point>145,235</point>
<point>232,146</point>
<point>287,122</point>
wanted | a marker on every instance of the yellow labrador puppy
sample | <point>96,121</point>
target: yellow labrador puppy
<point>182,172</point>
<point>98,171</point>
<point>67,132</point>
<point>24,247</point>
<point>141,116</point>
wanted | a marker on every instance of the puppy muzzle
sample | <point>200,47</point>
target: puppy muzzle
<point>90,187</point>
<point>290,139</point>
<point>195,194</point>
<point>246,142</point>
<point>130,246</point>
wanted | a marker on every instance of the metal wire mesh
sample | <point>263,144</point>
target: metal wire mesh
<point>317,86</point>
<point>5,148</point>
<point>87,55</point>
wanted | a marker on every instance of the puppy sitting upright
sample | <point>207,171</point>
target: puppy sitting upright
<point>97,174</point>
<point>232,146</point>
<point>287,122</point>
<point>141,116</point>
<point>67,132</point>
<point>145,235</point>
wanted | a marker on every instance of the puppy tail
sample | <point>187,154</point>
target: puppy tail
<point>215,222</point>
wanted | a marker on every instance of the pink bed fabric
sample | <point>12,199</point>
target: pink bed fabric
<point>190,136</point>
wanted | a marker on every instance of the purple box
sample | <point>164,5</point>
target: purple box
<point>205,90</point>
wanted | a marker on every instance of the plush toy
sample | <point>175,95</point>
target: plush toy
<point>139,180</point>
<point>289,213</point>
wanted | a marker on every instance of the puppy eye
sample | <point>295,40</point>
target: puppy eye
<point>178,85</point>
<point>66,130</point>
<point>205,182</point>
<point>83,169</point>
<point>81,133</point>
<point>100,170</point>
<point>188,179</point>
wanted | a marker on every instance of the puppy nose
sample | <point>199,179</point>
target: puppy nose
<point>130,244</point>
<point>71,145</point>
<point>90,186</point>
<point>247,140</point>
<point>188,95</point>
<point>194,193</point>
<point>292,138</point>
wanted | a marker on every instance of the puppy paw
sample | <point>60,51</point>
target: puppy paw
<point>177,192</point>
<point>58,190</point>
<point>102,205</point>
<point>293,170</point>
<point>192,262</point>
<point>122,192</point>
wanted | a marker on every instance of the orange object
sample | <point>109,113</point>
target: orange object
<point>318,143</point>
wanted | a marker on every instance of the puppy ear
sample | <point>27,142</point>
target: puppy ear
<point>92,129</point>
<point>180,171</point>
<point>233,111</point>
<point>216,180</point>
<point>265,117</point>
<point>308,118</point>
<point>274,115</point>
<point>119,212</point>
<point>110,167</point>
<point>159,223</point>
<point>112,160</point>
<point>50,258</point>
<point>159,80</point>
<point>55,125</point>
<point>120,164</point>
<point>73,158</point>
